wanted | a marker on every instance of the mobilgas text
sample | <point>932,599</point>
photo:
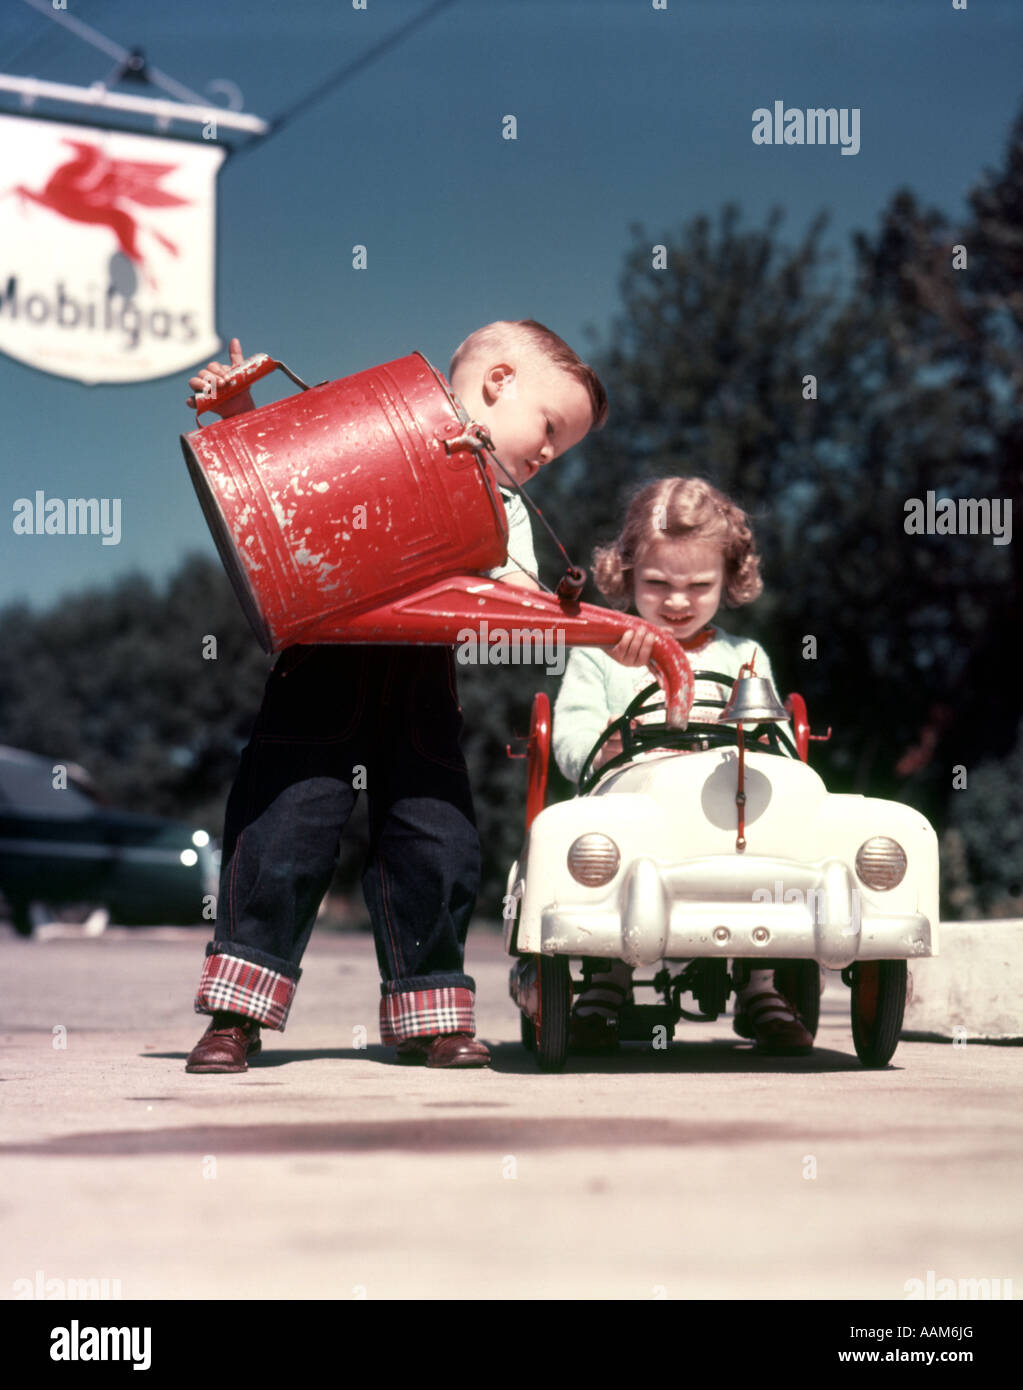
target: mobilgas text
<point>109,313</point>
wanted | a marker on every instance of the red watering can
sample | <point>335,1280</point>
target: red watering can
<point>365,509</point>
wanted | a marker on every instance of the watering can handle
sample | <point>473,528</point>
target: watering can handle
<point>240,378</point>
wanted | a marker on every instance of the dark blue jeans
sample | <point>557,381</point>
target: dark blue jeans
<point>336,720</point>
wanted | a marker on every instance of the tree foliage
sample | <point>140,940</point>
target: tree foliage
<point>117,680</point>
<point>917,368</point>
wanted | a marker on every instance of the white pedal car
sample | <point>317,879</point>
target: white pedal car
<point>707,848</point>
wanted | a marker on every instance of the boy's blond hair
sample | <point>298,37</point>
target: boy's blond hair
<point>687,508</point>
<point>493,340</point>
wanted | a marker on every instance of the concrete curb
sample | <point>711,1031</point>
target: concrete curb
<point>973,989</point>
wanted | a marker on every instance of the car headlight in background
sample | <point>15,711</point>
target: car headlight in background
<point>881,863</point>
<point>593,859</point>
<point>189,857</point>
<point>200,839</point>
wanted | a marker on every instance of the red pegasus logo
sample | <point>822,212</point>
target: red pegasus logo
<point>92,188</point>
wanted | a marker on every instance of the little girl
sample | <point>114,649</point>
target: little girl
<point>684,549</point>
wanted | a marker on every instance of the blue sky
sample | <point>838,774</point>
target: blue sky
<point>625,114</point>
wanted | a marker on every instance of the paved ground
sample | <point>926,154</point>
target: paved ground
<point>329,1172</point>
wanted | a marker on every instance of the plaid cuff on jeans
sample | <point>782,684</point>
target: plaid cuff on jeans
<point>422,1013</point>
<point>232,985</point>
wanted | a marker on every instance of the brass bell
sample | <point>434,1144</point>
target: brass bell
<point>753,700</point>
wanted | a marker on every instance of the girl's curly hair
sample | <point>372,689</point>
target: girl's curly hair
<point>687,508</point>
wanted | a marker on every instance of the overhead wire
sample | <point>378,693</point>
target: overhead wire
<point>356,65</point>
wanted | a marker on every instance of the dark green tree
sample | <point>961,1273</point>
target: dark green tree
<point>127,682</point>
<point>918,382</point>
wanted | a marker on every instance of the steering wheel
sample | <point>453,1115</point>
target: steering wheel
<point>696,737</point>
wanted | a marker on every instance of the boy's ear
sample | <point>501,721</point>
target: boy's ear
<point>499,380</point>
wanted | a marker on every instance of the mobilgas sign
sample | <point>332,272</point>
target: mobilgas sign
<point>106,250</point>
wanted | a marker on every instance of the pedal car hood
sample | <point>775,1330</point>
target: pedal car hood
<point>673,819</point>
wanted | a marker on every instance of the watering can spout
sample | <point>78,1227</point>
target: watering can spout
<point>441,613</point>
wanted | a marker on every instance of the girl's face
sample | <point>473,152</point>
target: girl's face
<point>677,584</point>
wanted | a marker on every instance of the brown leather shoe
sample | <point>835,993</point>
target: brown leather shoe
<point>444,1050</point>
<point>226,1045</point>
<point>761,1019</point>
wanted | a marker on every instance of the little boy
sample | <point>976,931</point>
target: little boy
<point>392,710</point>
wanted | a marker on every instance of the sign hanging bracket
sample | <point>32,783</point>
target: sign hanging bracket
<point>132,67</point>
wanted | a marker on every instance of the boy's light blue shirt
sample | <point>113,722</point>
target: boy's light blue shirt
<point>521,554</point>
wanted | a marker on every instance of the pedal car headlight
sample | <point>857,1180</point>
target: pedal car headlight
<point>881,863</point>
<point>593,859</point>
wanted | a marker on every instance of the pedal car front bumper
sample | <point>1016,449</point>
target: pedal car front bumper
<point>704,908</point>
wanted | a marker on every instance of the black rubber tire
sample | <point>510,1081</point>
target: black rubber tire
<point>555,981</point>
<point>877,1005</point>
<point>799,981</point>
<point>528,1032</point>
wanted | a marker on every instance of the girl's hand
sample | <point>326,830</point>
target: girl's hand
<point>633,648</point>
<point>611,748</point>
<point>214,372</point>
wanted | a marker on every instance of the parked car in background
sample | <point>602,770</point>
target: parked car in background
<point>59,847</point>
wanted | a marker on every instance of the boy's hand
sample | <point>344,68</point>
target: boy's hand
<point>210,375</point>
<point>633,648</point>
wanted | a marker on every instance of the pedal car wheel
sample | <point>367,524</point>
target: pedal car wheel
<point>555,981</point>
<point>528,1032</point>
<point>878,1003</point>
<point>799,981</point>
